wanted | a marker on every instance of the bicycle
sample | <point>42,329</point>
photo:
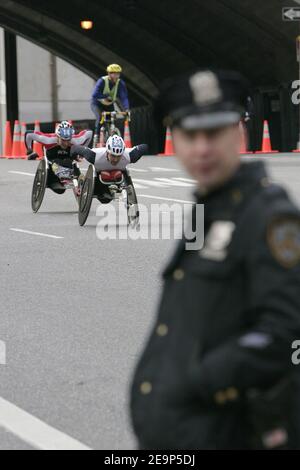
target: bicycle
<point>108,126</point>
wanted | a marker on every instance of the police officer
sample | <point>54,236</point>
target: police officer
<point>217,371</point>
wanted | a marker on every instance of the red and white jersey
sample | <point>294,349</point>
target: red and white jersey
<point>102,163</point>
<point>51,140</point>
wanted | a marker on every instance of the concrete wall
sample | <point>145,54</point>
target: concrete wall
<point>35,90</point>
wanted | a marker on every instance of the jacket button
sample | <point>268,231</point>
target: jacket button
<point>237,196</point>
<point>146,388</point>
<point>162,330</point>
<point>220,398</point>
<point>232,394</point>
<point>265,182</point>
<point>178,274</point>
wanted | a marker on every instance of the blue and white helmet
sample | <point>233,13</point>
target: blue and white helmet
<point>115,145</point>
<point>65,130</point>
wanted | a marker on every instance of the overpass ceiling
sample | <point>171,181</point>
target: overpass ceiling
<point>154,39</point>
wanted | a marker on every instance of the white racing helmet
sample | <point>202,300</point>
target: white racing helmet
<point>115,145</point>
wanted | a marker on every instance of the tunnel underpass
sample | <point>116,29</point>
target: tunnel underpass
<point>155,40</point>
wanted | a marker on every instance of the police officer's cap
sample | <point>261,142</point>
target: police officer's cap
<point>203,100</point>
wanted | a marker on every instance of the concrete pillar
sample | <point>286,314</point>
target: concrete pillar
<point>3,110</point>
<point>11,65</point>
<point>54,87</point>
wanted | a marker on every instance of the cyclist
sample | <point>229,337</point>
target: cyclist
<point>58,146</point>
<point>110,94</point>
<point>115,156</point>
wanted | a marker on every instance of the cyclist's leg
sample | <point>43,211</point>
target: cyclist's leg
<point>108,125</point>
<point>120,124</point>
<point>97,110</point>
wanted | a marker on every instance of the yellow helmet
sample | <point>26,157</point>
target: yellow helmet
<point>114,68</point>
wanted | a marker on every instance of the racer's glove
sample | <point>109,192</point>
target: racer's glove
<point>32,155</point>
<point>77,158</point>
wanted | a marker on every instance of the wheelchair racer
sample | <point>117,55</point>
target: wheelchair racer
<point>115,156</point>
<point>63,166</point>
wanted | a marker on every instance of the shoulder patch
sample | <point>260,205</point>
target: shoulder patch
<point>283,237</point>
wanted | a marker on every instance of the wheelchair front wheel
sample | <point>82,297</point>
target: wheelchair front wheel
<point>39,186</point>
<point>133,213</point>
<point>87,195</point>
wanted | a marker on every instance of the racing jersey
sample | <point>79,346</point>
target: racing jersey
<point>98,157</point>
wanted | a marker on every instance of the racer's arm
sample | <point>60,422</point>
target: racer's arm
<point>138,152</point>
<point>47,140</point>
<point>84,152</point>
<point>88,137</point>
<point>84,138</point>
<point>31,137</point>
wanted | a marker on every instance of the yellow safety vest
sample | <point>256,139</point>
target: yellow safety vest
<point>113,93</point>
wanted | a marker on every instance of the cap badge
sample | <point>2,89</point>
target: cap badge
<point>205,87</point>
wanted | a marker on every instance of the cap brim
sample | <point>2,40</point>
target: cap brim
<point>210,120</point>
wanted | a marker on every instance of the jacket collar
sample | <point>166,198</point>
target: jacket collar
<point>234,191</point>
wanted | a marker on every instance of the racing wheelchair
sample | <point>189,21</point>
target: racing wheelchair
<point>63,180</point>
<point>117,184</point>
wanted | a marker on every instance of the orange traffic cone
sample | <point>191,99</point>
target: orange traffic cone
<point>297,149</point>
<point>127,136</point>
<point>37,147</point>
<point>266,143</point>
<point>7,147</point>
<point>169,149</point>
<point>22,143</point>
<point>16,146</point>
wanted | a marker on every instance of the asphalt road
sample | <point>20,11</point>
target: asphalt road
<point>75,310</point>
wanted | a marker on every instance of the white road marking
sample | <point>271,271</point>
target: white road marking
<point>21,173</point>
<point>35,233</point>
<point>139,186</point>
<point>139,170</point>
<point>165,199</point>
<point>33,431</point>
<point>158,168</point>
<point>163,182</point>
<point>172,182</point>
<point>155,184</point>
<point>188,180</point>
